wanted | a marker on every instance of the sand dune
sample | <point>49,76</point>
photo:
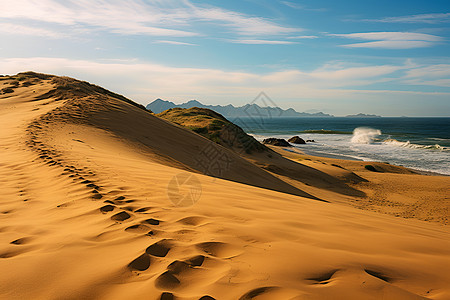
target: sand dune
<point>88,182</point>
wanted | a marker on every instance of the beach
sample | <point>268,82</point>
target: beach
<point>102,199</point>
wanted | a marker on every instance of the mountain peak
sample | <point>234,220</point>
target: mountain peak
<point>249,109</point>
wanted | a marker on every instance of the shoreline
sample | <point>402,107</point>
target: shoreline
<point>320,155</point>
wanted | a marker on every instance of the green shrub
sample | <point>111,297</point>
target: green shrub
<point>199,130</point>
<point>7,90</point>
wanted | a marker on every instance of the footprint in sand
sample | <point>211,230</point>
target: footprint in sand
<point>196,261</point>
<point>141,263</point>
<point>107,208</point>
<point>96,195</point>
<point>177,266</point>
<point>91,185</point>
<point>144,209</point>
<point>167,281</point>
<point>167,296</point>
<point>159,249</point>
<point>122,216</point>
<point>138,228</point>
<point>152,221</point>
<point>129,208</point>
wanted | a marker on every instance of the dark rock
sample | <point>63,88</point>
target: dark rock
<point>297,140</point>
<point>371,168</point>
<point>276,142</point>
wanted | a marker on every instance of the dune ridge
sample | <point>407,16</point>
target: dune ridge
<point>85,214</point>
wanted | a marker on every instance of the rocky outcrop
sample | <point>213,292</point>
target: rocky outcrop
<point>276,142</point>
<point>296,140</point>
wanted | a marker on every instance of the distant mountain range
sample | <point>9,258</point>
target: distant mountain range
<point>229,110</point>
<point>361,115</point>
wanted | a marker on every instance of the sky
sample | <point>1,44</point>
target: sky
<point>390,58</point>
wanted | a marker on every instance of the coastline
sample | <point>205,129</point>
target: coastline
<point>319,155</point>
<point>422,144</point>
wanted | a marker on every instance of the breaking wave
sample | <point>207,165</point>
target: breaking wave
<point>393,142</point>
<point>364,135</point>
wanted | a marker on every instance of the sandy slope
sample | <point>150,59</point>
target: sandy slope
<point>85,213</point>
<point>392,190</point>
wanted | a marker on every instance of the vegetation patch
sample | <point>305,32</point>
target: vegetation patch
<point>370,168</point>
<point>214,127</point>
<point>7,90</point>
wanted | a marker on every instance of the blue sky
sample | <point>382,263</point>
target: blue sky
<point>342,57</point>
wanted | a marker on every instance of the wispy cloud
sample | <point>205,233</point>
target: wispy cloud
<point>303,37</point>
<point>174,43</point>
<point>331,84</point>
<point>174,18</point>
<point>391,40</point>
<point>160,78</point>
<point>435,75</point>
<point>241,23</point>
<point>262,42</point>
<point>339,72</point>
<point>390,45</point>
<point>392,36</point>
<point>15,29</point>
<point>301,7</point>
<point>421,18</point>
<point>119,16</point>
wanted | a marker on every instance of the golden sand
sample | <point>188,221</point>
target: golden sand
<point>87,211</point>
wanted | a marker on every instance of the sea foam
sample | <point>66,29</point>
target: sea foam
<point>364,135</point>
<point>408,144</point>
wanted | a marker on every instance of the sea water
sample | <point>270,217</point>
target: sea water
<point>418,143</point>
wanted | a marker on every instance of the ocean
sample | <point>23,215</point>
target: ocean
<point>418,143</point>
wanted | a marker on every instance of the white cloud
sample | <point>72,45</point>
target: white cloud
<point>15,29</point>
<point>435,75</point>
<point>437,82</point>
<point>129,17</point>
<point>301,7</point>
<point>174,43</point>
<point>391,44</point>
<point>241,23</point>
<point>303,37</point>
<point>330,86</point>
<point>134,77</point>
<point>391,40</point>
<point>434,71</point>
<point>421,18</point>
<point>391,36</point>
<point>119,16</point>
<point>292,5</point>
<point>262,42</point>
<point>342,73</point>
